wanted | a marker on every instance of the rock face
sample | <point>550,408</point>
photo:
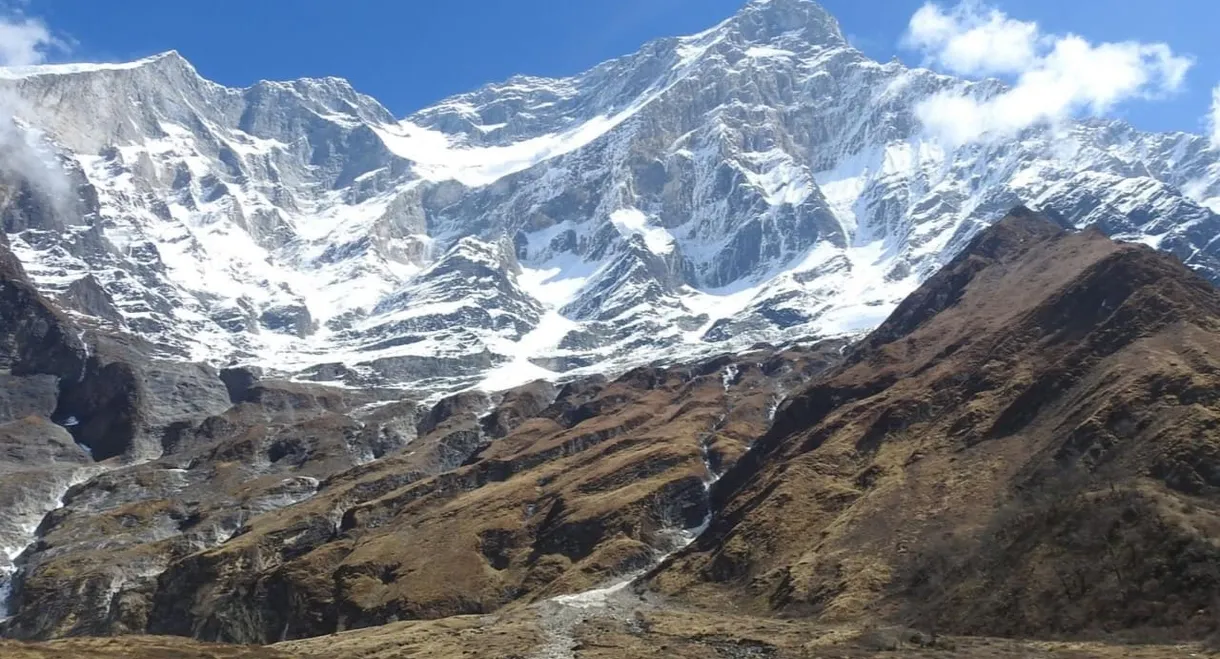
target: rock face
<point>35,337</point>
<point>38,459</point>
<point>97,558</point>
<point>76,405</point>
<point>87,295</point>
<point>1021,449</point>
<point>761,180</point>
<point>21,397</point>
<point>123,402</point>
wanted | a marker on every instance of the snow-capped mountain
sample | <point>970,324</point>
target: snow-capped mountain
<point>761,180</point>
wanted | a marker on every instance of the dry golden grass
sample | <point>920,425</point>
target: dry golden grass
<point>660,634</point>
<point>664,633</point>
<point>135,647</point>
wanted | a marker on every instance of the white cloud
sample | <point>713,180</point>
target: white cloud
<point>23,153</point>
<point>1213,119</point>
<point>1053,77</point>
<point>972,39</point>
<point>25,41</point>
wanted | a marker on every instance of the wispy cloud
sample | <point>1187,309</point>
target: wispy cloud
<point>1213,119</point>
<point>972,39</point>
<point>26,41</point>
<point>1052,77</point>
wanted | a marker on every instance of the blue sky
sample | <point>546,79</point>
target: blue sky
<point>410,53</point>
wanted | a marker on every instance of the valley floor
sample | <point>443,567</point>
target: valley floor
<point>617,622</point>
<point>619,630</point>
<point>626,622</point>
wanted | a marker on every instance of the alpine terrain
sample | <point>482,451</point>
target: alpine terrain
<point>709,351</point>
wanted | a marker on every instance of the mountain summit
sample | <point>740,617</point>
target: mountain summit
<point>763,21</point>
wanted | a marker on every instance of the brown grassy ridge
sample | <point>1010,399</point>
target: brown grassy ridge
<point>1026,448</point>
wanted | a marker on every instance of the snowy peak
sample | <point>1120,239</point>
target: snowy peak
<point>759,181</point>
<point>764,21</point>
<point>89,107</point>
<point>168,60</point>
<point>587,105</point>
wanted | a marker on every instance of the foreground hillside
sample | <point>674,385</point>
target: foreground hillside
<point>1027,447</point>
